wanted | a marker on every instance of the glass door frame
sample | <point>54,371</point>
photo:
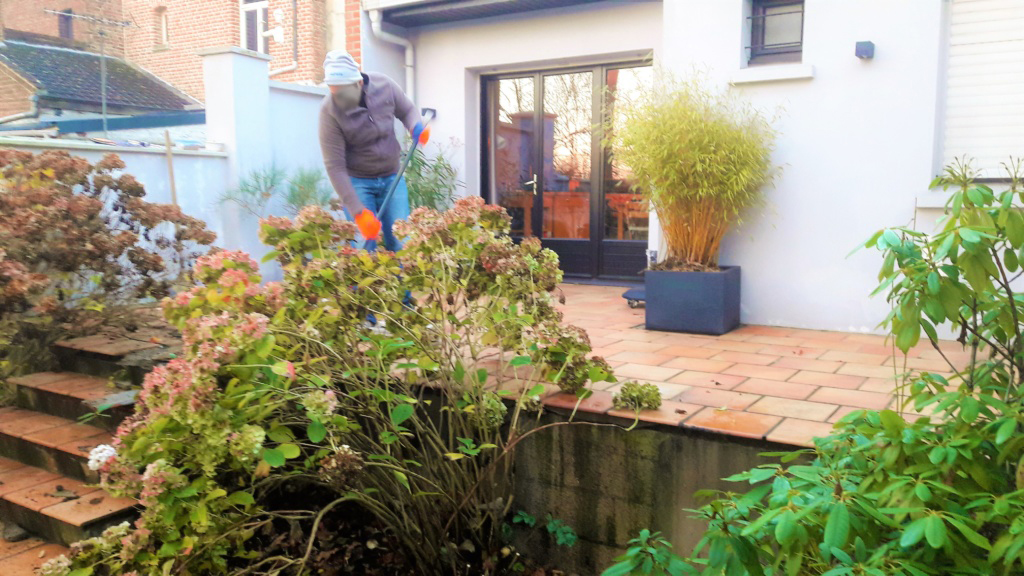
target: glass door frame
<point>580,257</point>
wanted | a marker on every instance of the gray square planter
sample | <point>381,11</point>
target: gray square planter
<point>693,302</point>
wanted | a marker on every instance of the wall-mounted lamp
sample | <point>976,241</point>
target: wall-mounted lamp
<point>865,50</point>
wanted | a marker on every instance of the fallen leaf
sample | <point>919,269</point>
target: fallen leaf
<point>681,411</point>
<point>42,553</point>
<point>96,501</point>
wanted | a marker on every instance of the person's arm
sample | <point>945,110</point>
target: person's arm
<point>332,145</point>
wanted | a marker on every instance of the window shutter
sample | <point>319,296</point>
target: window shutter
<point>985,83</point>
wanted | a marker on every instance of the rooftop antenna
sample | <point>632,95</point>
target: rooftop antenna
<point>102,22</point>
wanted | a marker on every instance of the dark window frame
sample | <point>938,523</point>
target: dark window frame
<point>762,53</point>
<point>66,24</point>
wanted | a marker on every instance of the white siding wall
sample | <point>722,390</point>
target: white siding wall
<point>985,95</point>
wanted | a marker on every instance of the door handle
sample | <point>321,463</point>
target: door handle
<point>532,183</point>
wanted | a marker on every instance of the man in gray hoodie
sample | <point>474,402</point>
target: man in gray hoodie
<point>360,149</point>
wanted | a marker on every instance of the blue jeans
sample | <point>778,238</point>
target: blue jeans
<point>371,192</point>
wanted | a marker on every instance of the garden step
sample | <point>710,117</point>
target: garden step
<point>22,558</point>
<point>73,396</point>
<point>54,507</point>
<point>56,445</point>
<point>127,357</point>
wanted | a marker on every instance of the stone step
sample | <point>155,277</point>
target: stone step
<point>127,357</point>
<point>56,508</point>
<point>56,445</point>
<point>74,396</point>
<point>22,558</point>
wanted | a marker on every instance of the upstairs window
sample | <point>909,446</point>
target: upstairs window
<point>161,33</point>
<point>254,25</point>
<point>66,25</point>
<point>776,31</point>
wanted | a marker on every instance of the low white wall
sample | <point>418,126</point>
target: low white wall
<point>199,176</point>
<point>857,144</point>
<point>451,58</point>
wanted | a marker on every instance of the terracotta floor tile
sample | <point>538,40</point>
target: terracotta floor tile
<point>733,423</point>
<point>776,388</point>
<point>598,342</point>
<point>698,364</point>
<point>597,403</point>
<point>717,398</point>
<point>867,371</point>
<point>673,339</point>
<point>47,494</point>
<point>808,364</point>
<point>789,408</point>
<point>746,358</point>
<point>755,330</point>
<point>775,341</point>
<point>840,345</point>
<point>793,352</point>
<point>33,423</point>
<point>879,385</point>
<point>820,335</point>
<point>831,380</point>
<point>646,372</point>
<point>767,372</point>
<point>635,346</point>
<point>855,357</point>
<point>93,507</point>
<point>869,400</point>
<point>641,335</point>
<point>25,564</point>
<point>903,363</point>
<point>866,338</point>
<point>6,465</point>
<point>842,411</point>
<point>879,349</point>
<point>53,437</point>
<point>9,414</point>
<point>121,347</point>
<point>647,358</point>
<point>708,380</point>
<point>734,346</point>
<point>8,549</point>
<point>698,352</point>
<point>670,413</point>
<point>23,478</point>
<point>799,432</point>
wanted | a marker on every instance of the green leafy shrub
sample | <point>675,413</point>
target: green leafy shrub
<point>940,495</point>
<point>307,187</point>
<point>700,155</point>
<point>637,396</point>
<point>287,436</point>
<point>433,182</point>
<point>257,189</point>
<point>648,554</point>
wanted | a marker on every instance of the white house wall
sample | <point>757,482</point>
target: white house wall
<point>451,58</point>
<point>857,142</point>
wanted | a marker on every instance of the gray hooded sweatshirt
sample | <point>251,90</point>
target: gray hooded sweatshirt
<point>361,143</point>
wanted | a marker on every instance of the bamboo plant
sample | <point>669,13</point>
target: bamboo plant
<point>700,156</point>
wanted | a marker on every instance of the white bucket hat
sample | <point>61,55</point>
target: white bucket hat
<point>340,68</point>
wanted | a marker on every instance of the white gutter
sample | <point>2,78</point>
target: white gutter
<point>410,53</point>
<point>33,112</point>
<point>295,43</point>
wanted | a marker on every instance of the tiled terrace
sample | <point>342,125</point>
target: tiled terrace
<point>779,384</point>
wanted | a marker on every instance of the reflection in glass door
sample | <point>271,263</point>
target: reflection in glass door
<point>544,162</point>
<point>514,184</point>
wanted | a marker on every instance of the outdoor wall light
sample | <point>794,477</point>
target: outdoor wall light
<point>865,50</point>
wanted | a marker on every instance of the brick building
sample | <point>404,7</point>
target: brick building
<point>165,36</point>
<point>169,34</point>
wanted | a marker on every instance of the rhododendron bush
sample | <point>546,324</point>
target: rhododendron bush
<point>290,439</point>
<point>76,238</point>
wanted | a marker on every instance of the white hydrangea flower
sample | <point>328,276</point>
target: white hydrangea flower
<point>99,456</point>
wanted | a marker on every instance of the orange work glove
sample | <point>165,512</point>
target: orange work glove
<point>421,133</point>
<point>368,224</point>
